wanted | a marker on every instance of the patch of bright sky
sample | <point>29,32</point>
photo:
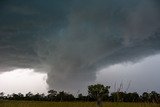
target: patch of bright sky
<point>23,81</point>
<point>142,76</point>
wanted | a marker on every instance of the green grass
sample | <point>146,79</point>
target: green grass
<point>71,104</point>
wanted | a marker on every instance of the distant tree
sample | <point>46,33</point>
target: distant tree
<point>145,97</point>
<point>135,97</point>
<point>113,97</point>
<point>118,97</point>
<point>18,96</point>
<point>38,97</point>
<point>154,97</point>
<point>124,97</point>
<point>132,97</point>
<point>98,91</point>
<point>81,97</point>
<point>29,96</point>
<point>64,96</point>
<point>51,95</point>
<point>1,95</point>
<point>52,92</point>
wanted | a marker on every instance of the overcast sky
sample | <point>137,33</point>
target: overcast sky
<point>73,43</point>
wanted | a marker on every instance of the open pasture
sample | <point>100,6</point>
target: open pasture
<point>71,104</point>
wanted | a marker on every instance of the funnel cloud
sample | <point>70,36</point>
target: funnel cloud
<point>72,40</point>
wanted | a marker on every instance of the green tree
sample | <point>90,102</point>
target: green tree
<point>98,91</point>
<point>64,96</point>
<point>154,97</point>
<point>145,97</point>
<point>1,95</point>
<point>29,96</point>
<point>52,94</point>
<point>18,96</point>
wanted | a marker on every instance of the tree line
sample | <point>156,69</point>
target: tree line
<point>97,92</point>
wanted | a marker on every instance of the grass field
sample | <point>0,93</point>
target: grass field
<point>70,104</point>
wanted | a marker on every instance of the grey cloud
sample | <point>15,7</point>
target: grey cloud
<point>72,40</point>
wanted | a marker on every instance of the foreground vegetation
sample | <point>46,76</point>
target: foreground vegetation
<point>71,104</point>
<point>97,92</point>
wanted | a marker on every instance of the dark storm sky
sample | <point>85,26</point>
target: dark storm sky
<point>71,40</point>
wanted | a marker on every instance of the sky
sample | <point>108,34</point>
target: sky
<point>135,77</point>
<point>67,45</point>
<point>23,81</point>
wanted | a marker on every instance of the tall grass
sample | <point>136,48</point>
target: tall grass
<point>71,104</point>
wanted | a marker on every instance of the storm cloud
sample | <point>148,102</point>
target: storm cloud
<point>72,40</point>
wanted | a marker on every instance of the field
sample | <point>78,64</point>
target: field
<point>71,104</point>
